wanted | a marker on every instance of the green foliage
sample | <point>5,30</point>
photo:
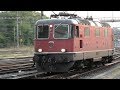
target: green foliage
<point>2,41</point>
<point>8,27</point>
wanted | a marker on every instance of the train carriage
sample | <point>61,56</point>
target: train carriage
<point>61,44</point>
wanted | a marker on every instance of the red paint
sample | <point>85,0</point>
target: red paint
<point>73,44</point>
<point>93,42</point>
<point>58,45</point>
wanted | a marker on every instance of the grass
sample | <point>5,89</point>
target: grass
<point>12,52</point>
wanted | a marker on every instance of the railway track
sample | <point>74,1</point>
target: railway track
<point>28,73</point>
<point>93,72</point>
<point>21,75</point>
<point>33,74</point>
<point>82,74</point>
<point>15,65</point>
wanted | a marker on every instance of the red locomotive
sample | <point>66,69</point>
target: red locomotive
<point>61,44</point>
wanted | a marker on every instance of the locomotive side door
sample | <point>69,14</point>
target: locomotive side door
<point>78,38</point>
<point>81,37</point>
<point>78,42</point>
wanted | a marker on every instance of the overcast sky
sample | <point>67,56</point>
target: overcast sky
<point>94,14</point>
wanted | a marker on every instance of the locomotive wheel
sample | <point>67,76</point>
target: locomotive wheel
<point>110,58</point>
<point>58,67</point>
<point>90,63</point>
<point>63,67</point>
<point>39,69</point>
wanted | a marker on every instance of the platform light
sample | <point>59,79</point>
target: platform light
<point>63,50</point>
<point>39,50</point>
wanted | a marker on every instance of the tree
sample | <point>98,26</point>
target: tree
<point>26,23</point>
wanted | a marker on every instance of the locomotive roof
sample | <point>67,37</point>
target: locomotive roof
<point>72,21</point>
<point>56,21</point>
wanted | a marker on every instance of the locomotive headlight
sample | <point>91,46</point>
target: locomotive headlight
<point>63,50</point>
<point>50,26</point>
<point>39,50</point>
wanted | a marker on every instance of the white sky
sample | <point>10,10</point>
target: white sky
<point>94,14</point>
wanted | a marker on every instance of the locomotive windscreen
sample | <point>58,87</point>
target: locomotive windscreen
<point>43,31</point>
<point>61,31</point>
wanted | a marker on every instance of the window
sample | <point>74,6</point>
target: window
<point>77,31</point>
<point>35,32</point>
<point>61,31</point>
<point>81,43</point>
<point>71,31</point>
<point>106,32</point>
<point>86,31</point>
<point>97,32</point>
<point>43,31</point>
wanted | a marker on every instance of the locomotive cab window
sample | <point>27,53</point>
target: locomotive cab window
<point>43,31</point>
<point>71,31</point>
<point>61,31</point>
<point>77,31</point>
